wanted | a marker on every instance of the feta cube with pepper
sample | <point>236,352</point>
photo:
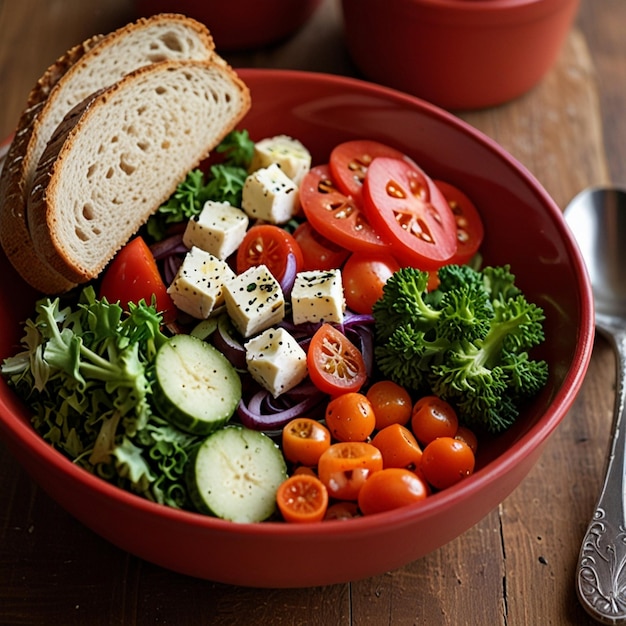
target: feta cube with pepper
<point>276,360</point>
<point>317,296</point>
<point>219,229</point>
<point>269,194</point>
<point>198,286</point>
<point>290,154</point>
<point>254,300</point>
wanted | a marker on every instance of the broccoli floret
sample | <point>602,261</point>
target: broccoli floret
<point>467,341</point>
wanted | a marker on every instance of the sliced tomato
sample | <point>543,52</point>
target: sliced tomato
<point>269,245</point>
<point>318,252</point>
<point>132,276</point>
<point>302,498</point>
<point>335,364</point>
<point>345,467</point>
<point>469,225</point>
<point>337,216</point>
<point>404,205</point>
<point>349,162</point>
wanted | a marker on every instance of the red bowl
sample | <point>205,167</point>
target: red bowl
<point>458,55</point>
<point>321,111</point>
<point>239,24</point>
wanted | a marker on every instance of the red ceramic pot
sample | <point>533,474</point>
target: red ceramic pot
<point>457,54</point>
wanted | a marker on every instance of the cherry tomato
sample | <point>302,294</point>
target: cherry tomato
<point>342,510</point>
<point>132,276</point>
<point>398,446</point>
<point>345,467</point>
<point>336,216</point>
<point>469,225</point>
<point>350,417</point>
<point>364,277</point>
<point>335,364</point>
<point>318,252</point>
<point>433,417</point>
<point>304,439</point>
<point>446,461</point>
<point>303,469</point>
<point>390,489</point>
<point>349,162</point>
<point>391,402</point>
<point>404,205</point>
<point>302,498</point>
<point>269,245</point>
<point>465,434</point>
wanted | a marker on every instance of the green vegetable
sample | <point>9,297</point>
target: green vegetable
<point>85,373</point>
<point>196,388</point>
<point>224,183</point>
<point>238,148</point>
<point>234,474</point>
<point>468,341</point>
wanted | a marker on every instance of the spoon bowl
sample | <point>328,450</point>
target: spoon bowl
<point>597,219</point>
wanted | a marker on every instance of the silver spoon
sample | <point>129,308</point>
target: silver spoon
<point>597,218</point>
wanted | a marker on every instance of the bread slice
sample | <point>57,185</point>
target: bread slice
<point>119,155</point>
<point>97,63</point>
<point>14,235</point>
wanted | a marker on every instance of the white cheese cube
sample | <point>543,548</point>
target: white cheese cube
<point>276,360</point>
<point>254,300</point>
<point>270,195</point>
<point>294,159</point>
<point>317,296</point>
<point>198,285</point>
<point>218,229</point>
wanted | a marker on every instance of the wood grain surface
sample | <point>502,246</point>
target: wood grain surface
<point>514,568</point>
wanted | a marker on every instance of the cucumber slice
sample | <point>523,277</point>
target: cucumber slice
<point>196,389</point>
<point>234,474</point>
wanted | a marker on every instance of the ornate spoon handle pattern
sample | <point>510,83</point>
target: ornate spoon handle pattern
<point>601,572</point>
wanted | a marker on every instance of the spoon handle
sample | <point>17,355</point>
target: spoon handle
<point>601,571</point>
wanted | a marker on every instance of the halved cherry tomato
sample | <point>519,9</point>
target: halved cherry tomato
<point>342,510</point>
<point>398,446</point>
<point>446,461</point>
<point>132,276</point>
<point>337,216</point>
<point>390,489</point>
<point>433,417</point>
<point>304,439</point>
<point>469,225</point>
<point>345,467</point>
<point>269,245</point>
<point>404,205</point>
<point>468,436</point>
<point>391,402</point>
<point>303,469</point>
<point>302,498</point>
<point>335,364</point>
<point>350,160</point>
<point>364,277</point>
<point>350,417</point>
<point>318,252</point>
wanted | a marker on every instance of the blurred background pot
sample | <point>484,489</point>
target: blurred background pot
<point>458,54</point>
<point>239,24</point>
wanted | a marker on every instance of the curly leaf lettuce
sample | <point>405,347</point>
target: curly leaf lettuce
<point>85,372</point>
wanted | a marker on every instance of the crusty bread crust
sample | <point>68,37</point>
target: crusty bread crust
<point>14,236</point>
<point>121,153</point>
<point>90,66</point>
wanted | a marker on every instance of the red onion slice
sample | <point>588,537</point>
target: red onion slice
<point>228,345</point>
<point>258,416</point>
<point>168,246</point>
<point>289,277</point>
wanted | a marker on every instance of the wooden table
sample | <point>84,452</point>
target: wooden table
<point>516,567</point>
